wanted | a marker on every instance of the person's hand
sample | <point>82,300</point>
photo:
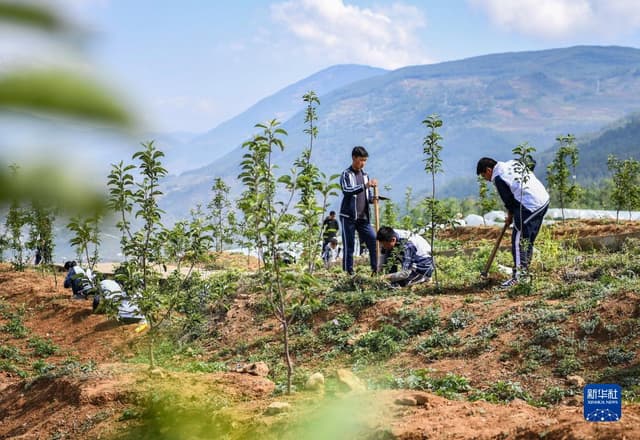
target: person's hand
<point>371,183</point>
<point>509,218</point>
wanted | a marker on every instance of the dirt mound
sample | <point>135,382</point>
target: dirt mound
<point>439,418</point>
<point>570,229</point>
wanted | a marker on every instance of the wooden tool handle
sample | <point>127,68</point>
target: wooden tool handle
<point>495,250</point>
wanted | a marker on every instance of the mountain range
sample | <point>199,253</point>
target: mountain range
<point>488,104</point>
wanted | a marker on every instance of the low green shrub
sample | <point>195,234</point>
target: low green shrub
<point>42,347</point>
<point>334,332</point>
<point>10,367</point>
<point>438,339</point>
<point>417,323</point>
<point>547,335</point>
<point>41,368</point>
<point>619,355</point>
<point>11,353</point>
<point>381,343</point>
<point>502,392</point>
<point>15,326</point>
<point>450,386</point>
<point>590,325</point>
<point>568,365</point>
<point>460,319</point>
<point>553,395</point>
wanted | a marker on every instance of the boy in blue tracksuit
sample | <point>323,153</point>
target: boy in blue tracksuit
<point>410,251</point>
<point>354,211</point>
<point>526,201</point>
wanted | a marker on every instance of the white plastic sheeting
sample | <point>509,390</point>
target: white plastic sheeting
<point>497,217</point>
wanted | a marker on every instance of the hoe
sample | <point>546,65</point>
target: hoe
<point>485,272</point>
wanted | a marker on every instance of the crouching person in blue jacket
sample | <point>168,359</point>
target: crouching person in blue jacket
<point>409,251</point>
<point>78,280</point>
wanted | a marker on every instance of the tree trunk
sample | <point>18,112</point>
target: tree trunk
<point>287,355</point>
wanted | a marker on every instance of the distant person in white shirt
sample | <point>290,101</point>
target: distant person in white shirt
<point>112,294</point>
<point>331,252</point>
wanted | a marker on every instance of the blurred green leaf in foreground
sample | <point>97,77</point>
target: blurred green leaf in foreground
<point>55,91</point>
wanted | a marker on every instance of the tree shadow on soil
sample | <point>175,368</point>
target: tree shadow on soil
<point>80,316</point>
<point>107,325</point>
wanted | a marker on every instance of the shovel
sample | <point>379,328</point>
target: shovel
<point>376,205</point>
<point>376,198</point>
<point>485,272</point>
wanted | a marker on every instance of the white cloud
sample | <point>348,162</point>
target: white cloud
<point>557,19</point>
<point>384,37</point>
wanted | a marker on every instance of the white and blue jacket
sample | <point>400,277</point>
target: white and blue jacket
<point>531,194</point>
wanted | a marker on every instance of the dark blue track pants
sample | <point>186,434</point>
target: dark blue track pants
<point>367,236</point>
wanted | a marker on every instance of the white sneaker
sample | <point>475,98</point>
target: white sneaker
<point>509,283</point>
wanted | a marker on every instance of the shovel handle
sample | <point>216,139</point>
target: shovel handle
<point>485,272</point>
<point>376,205</point>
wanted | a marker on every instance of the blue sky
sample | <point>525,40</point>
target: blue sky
<point>187,65</point>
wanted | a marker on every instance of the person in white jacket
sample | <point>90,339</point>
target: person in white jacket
<point>111,292</point>
<point>526,201</point>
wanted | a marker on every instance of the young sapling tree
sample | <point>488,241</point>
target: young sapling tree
<point>626,184</point>
<point>433,165</point>
<point>308,182</point>
<point>561,172</point>
<point>221,215</point>
<point>487,199</point>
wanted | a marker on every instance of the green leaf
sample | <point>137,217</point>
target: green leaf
<point>62,92</point>
<point>49,185</point>
<point>30,14</point>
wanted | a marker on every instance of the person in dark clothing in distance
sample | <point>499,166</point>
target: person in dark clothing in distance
<point>330,227</point>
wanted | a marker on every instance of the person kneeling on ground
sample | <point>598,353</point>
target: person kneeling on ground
<point>79,280</point>
<point>111,294</point>
<point>410,251</point>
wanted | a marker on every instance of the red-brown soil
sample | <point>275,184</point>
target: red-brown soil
<point>90,402</point>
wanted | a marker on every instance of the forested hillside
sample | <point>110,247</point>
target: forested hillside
<point>621,139</point>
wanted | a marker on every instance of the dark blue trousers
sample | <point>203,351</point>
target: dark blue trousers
<point>526,225</point>
<point>367,236</point>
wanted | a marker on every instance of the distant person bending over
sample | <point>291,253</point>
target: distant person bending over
<point>409,251</point>
<point>78,280</point>
<point>354,211</point>
<point>330,227</point>
<point>526,203</point>
<point>331,252</point>
<point>112,294</point>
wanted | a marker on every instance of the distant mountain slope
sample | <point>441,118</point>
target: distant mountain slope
<point>281,105</point>
<point>622,139</point>
<point>489,104</point>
